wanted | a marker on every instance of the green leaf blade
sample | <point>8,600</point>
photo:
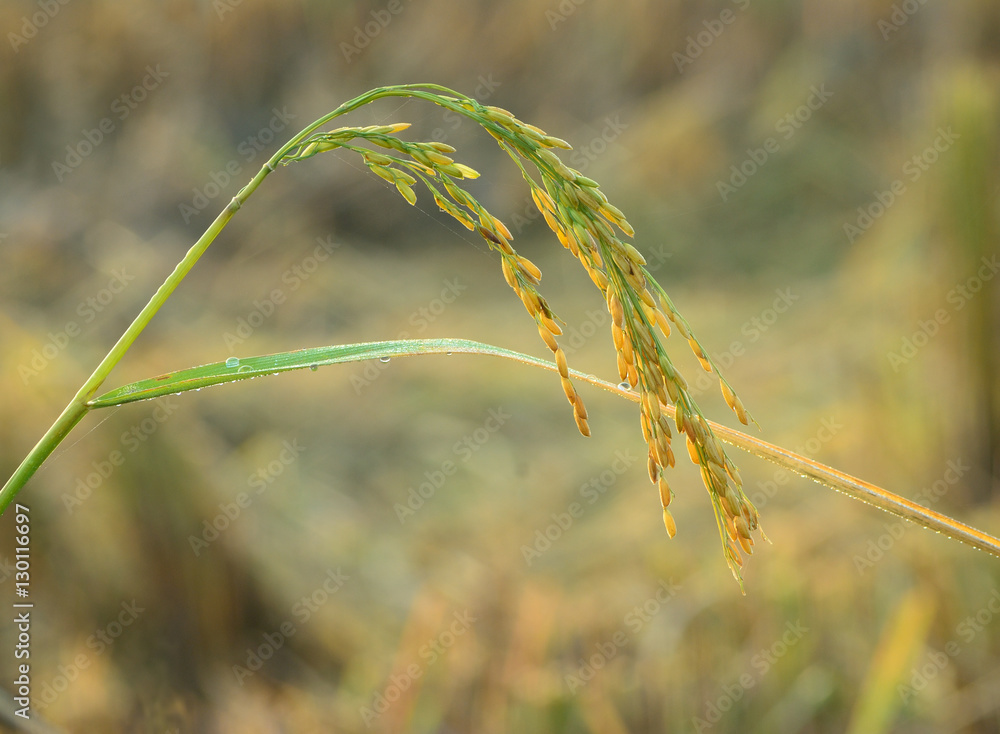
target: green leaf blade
<point>245,368</point>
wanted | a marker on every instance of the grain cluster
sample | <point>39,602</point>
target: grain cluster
<point>642,315</point>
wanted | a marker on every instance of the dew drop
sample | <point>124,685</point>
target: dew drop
<point>624,385</point>
<point>314,367</point>
<point>244,368</point>
<point>383,359</point>
<point>448,354</point>
<point>233,362</point>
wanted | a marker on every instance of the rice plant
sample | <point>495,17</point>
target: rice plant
<point>585,223</point>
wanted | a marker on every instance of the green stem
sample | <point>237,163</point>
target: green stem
<point>77,408</point>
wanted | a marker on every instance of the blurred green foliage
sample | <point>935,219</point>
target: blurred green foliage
<point>759,148</point>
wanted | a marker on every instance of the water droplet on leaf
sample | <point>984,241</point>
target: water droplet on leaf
<point>383,359</point>
<point>233,362</point>
<point>244,368</point>
<point>624,385</point>
<point>314,367</point>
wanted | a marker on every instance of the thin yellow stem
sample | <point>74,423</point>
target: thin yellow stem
<point>838,480</point>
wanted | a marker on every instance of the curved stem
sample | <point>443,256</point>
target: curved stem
<point>77,408</point>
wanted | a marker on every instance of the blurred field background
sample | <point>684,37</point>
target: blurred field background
<point>744,140</point>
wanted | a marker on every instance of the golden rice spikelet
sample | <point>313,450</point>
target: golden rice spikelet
<point>615,307</point>
<point>554,142</point>
<point>700,354</point>
<point>438,158</point>
<point>730,502</point>
<point>669,523</point>
<point>665,492</point>
<point>693,452</point>
<point>653,466</point>
<point>499,114</point>
<point>622,367</point>
<point>528,266</point>
<point>561,363</point>
<point>508,273</point>
<point>502,229</point>
<point>548,338</point>
<point>617,336</point>
<point>549,324</point>
<point>466,171</point>
<point>627,352</point>
<point>633,375</point>
<point>679,418</point>
<point>441,147</point>
<point>408,193</point>
<point>550,219</point>
<point>542,200</point>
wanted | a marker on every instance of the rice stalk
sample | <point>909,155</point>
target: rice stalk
<point>585,223</point>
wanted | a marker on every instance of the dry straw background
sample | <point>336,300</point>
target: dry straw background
<point>873,349</point>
